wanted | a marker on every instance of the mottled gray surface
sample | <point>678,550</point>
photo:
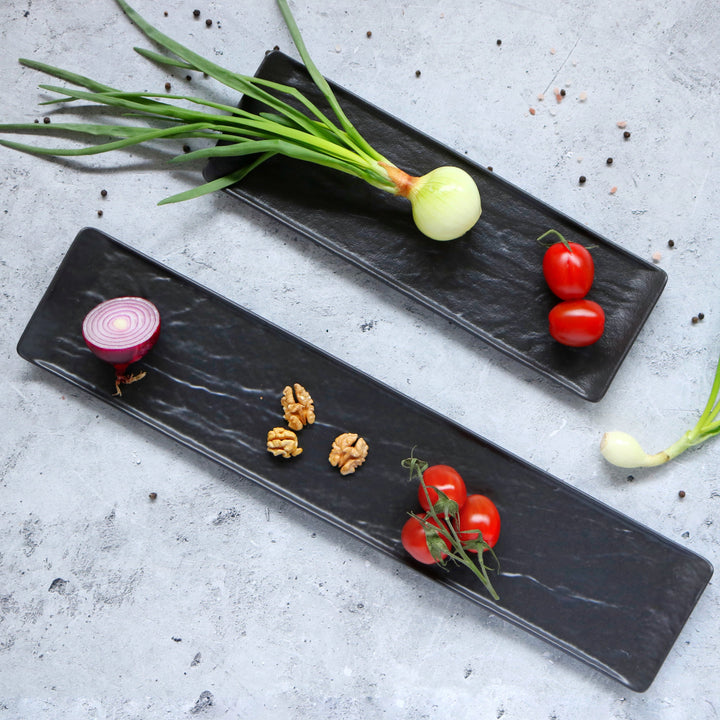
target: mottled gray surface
<point>219,600</point>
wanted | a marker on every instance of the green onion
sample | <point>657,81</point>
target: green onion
<point>625,451</point>
<point>445,202</point>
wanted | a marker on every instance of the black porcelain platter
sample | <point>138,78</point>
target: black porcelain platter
<point>490,281</point>
<point>573,571</point>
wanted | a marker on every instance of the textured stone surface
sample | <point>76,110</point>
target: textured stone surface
<point>219,600</point>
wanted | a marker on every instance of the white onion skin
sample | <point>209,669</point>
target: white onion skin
<point>624,451</point>
<point>136,330</point>
<point>445,203</point>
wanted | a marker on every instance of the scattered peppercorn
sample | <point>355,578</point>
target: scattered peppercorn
<point>369,33</point>
<point>490,168</point>
<point>208,22</point>
<point>276,47</point>
<point>695,320</point>
<point>609,161</point>
<point>417,73</point>
<point>701,316</point>
<point>196,13</point>
<point>188,78</point>
<point>186,148</point>
<point>681,494</point>
<point>671,243</point>
<point>36,121</point>
<point>499,42</point>
<point>626,134</point>
<point>103,193</point>
<point>153,496</point>
<point>582,179</point>
<point>100,213</point>
<point>46,120</point>
<point>165,13</point>
<point>562,92</point>
<point>630,478</point>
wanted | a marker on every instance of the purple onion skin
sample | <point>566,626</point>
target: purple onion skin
<point>121,357</point>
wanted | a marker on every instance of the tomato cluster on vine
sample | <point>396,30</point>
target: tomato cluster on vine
<point>453,524</point>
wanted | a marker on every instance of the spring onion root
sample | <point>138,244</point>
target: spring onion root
<point>121,331</point>
<point>445,202</point>
<point>625,451</point>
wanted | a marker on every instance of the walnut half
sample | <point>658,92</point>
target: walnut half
<point>283,442</point>
<point>348,452</point>
<point>299,408</point>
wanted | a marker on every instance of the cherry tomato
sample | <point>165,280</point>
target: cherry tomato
<point>415,541</point>
<point>569,270</point>
<point>445,479</point>
<point>479,513</point>
<point>577,322</point>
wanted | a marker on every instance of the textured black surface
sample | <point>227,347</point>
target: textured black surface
<point>490,282</point>
<point>573,571</point>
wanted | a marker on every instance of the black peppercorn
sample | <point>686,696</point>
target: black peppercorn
<point>369,33</point>
<point>46,120</point>
<point>701,316</point>
<point>681,494</point>
<point>196,13</point>
<point>208,22</point>
<point>671,243</point>
<point>103,193</point>
<point>417,73</point>
<point>499,42</point>
<point>582,179</point>
<point>100,213</point>
<point>695,320</point>
<point>562,92</point>
<point>609,161</point>
<point>626,134</point>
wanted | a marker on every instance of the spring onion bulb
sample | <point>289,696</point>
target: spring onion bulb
<point>121,331</point>
<point>625,451</point>
<point>445,202</point>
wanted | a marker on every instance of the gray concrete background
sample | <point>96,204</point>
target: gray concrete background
<point>219,600</point>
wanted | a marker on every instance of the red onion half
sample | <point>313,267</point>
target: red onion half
<point>121,331</point>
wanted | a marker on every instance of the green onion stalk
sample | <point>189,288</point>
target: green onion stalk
<point>623,450</point>
<point>445,202</point>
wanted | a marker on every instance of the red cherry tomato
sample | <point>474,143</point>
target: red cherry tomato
<point>577,323</point>
<point>445,479</point>
<point>569,270</point>
<point>415,541</point>
<point>479,513</point>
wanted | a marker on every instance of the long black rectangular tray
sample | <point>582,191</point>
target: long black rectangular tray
<point>573,571</point>
<point>489,282</point>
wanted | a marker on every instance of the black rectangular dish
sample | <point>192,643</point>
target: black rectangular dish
<point>573,571</point>
<point>490,281</point>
